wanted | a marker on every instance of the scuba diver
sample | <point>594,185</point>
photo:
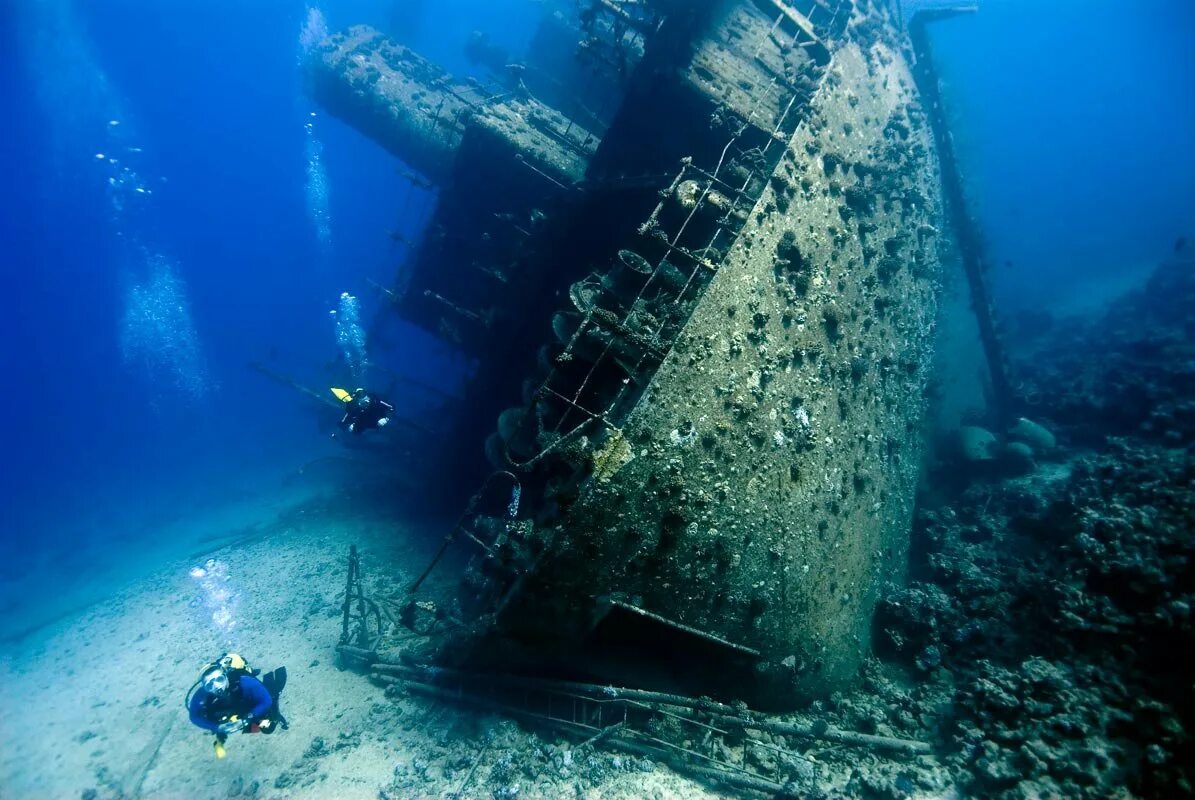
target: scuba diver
<point>229,698</point>
<point>362,411</point>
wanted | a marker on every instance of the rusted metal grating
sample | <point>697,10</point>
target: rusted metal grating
<point>673,247</point>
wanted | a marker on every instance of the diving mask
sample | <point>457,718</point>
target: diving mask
<point>216,682</point>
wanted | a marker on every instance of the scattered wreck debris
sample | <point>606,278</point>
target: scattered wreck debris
<point>727,745</point>
<point>358,611</point>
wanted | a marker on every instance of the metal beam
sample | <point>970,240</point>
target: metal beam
<point>970,241</point>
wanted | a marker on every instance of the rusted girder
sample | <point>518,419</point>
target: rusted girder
<point>799,26</point>
<point>970,241</point>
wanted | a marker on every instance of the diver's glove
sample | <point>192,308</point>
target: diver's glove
<point>234,726</point>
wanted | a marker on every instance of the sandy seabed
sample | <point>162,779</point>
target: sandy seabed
<point>93,702</point>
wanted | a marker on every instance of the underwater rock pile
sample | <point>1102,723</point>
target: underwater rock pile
<point>1054,604</point>
<point>1047,612</point>
<point>1130,371</point>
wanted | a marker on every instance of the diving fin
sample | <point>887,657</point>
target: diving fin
<point>274,681</point>
<point>219,748</point>
<point>342,395</point>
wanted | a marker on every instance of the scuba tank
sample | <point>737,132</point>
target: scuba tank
<point>231,664</point>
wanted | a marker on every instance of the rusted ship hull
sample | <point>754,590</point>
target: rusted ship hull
<point>720,443</point>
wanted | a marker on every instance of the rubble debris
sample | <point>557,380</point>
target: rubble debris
<point>1046,611</point>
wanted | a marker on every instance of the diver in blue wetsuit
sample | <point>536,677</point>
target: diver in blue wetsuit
<point>229,698</point>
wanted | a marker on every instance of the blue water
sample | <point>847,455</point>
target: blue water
<point>1074,123</point>
<point>206,218</point>
<point>1075,137</point>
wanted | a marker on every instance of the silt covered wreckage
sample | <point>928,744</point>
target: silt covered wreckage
<point>694,249</point>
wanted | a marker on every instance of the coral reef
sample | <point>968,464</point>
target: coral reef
<point>1128,371</point>
<point>1045,612</point>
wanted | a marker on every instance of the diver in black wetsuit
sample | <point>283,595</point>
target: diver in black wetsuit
<point>363,411</point>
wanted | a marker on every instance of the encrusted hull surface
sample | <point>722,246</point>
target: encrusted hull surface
<point>762,488</point>
<point>721,442</point>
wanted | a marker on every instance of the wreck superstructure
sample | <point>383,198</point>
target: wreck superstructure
<point>703,321</point>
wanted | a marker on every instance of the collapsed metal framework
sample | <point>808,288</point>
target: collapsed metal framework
<point>638,723</point>
<point>714,191</point>
<point>712,741</point>
<point>358,611</point>
<point>722,744</point>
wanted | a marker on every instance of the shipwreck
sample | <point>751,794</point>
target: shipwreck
<point>694,249</point>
